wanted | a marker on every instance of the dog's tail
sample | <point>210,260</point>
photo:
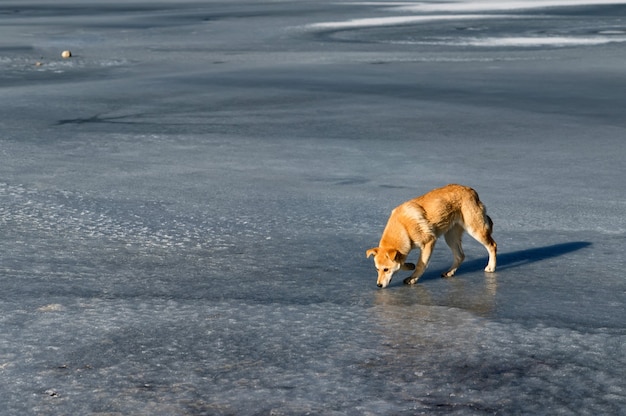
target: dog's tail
<point>483,208</point>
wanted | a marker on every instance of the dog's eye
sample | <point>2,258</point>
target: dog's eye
<point>385,270</point>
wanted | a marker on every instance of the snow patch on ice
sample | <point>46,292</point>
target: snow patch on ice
<point>472,10</point>
<point>401,20</point>
<point>497,5</point>
<point>519,41</point>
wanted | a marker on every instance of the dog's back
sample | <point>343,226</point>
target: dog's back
<point>443,208</point>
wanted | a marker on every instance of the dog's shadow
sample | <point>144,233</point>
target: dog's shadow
<point>519,258</point>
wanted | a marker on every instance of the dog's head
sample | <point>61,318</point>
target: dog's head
<point>387,262</point>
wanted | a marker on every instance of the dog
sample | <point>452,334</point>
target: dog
<point>450,210</point>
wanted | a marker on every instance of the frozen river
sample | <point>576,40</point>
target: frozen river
<point>186,202</point>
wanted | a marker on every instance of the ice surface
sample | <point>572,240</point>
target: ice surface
<point>185,206</point>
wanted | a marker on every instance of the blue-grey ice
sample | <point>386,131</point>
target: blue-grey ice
<point>186,202</point>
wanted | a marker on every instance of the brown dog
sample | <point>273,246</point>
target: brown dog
<point>450,211</point>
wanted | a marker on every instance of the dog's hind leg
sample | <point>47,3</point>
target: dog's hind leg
<point>453,239</point>
<point>483,236</point>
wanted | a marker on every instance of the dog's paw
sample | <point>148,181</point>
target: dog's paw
<point>449,273</point>
<point>490,269</point>
<point>410,281</point>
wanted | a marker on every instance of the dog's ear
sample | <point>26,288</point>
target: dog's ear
<point>371,252</point>
<point>396,256</point>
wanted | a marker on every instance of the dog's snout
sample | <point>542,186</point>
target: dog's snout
<point>379,284</point>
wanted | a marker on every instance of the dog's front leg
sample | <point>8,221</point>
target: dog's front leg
<point>425,252</point>
<point>407,266</point>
